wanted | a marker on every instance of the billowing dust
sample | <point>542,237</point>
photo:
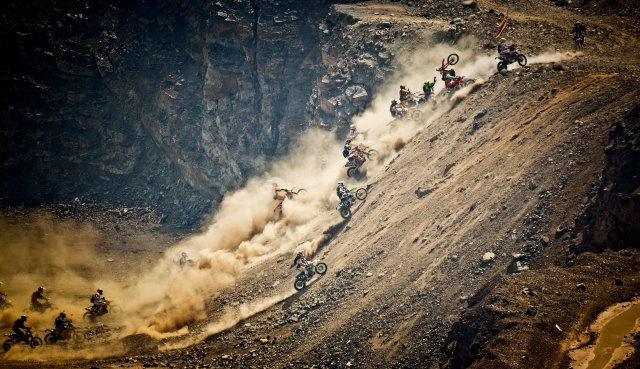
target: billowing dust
<point>247,227</point>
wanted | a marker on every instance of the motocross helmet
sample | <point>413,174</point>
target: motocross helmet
<point>352,127</point>
<point>99,291</point>
<point>23,318</point>
<point>63,315</point>
<point>347,142</point>
<point>341,183</point>
<point>300,252</point>
<point>503,40</point>
<point>393,102</point>
<point>577,23</point>
<point>185,254</point>
<point>402,87</point>
<point>40,289</point>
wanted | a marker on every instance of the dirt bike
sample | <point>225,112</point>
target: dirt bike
<point>344,207</point>
<point>410,112</point>
<point>512,57</point>
<point>457,84</point>
<point>287,194</point>
<point>30,338</point>
<point>56,335</point>
<point>578,42</point>
<point>312,267</point>
<point>371,154</point>
<point>91,314</point>
<point>41,308</point>
<point>354,163</point>
<point>5,303</point>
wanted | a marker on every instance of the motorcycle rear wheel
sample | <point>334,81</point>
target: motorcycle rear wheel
<point>88,317</point>
<point>35,342</point>
<point>361,193</point>
<point>79,336</point>
<point>522,60</point>
<point>372,154</point>
<point>453,59</point>
<point>321,268</point>
<point>50,338</point>
<point>345,213</point>
<point>8,344</point>
<point>352,172</point>
<point>299,285</point>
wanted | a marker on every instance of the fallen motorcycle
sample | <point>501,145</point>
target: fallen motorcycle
<point>312,267</point>
<point>92,314</point>
<point>512,57</point>
<point>287,194</point>
<point>71,332</point>
<point>30,338</point>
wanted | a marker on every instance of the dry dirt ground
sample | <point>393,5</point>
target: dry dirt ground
<point>507,170</point>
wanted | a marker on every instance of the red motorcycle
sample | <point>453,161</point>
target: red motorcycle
<point>356,159</point>
<point>511,57</point>
<point>457,82</point>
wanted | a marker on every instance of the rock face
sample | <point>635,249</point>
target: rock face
<point>611,218</point>
<point>170,103</point>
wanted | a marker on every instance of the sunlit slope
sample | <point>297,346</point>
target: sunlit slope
<point>504,168</point>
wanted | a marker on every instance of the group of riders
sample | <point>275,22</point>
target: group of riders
<point>505,52</point>
<point>39,303</point>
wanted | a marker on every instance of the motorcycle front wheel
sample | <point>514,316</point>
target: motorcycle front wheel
<point>8,344</point>
<point>299,285</point>
<point>345,213</point>
<point>321,268</point>
<point>79,336</point>
<point>416,115</point>
<point>522,60</point>
<point>115,310</point>
<point>361,193</point>
<point>50,338</point>
<point>372,154</point>
<point>453,59</point>
<point>501,66</point>
<point>352,172</point>
<point>35,342</point>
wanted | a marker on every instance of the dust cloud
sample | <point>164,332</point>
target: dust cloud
<point>248,227</point>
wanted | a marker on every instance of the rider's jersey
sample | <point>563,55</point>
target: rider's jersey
<point>18,324</point>
<point>61,323</point>
<point>340,190</point>
<point>404,93</point>
<point>98,299</point>
<point>37,296</point>
<point>579,29</point>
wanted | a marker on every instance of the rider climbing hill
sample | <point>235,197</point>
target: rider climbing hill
<point>18,326</point>
<point>299,262</point>
<point>35,304</point>
<point>404,95</point>
<point>579,30</point>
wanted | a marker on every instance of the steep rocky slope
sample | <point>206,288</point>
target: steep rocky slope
<point>534,166</point>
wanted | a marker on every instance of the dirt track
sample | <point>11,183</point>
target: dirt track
<point>407,287</point>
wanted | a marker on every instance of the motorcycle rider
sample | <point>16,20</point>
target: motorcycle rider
<point>346,149</point>
<point>62,324</point>
<point>449,77</point>
<point>341,189</point>
<point>184,259</point>
<point>2,295</point>
<point>404,95</point>
<point>299,262</point>
<point>579,30</point>
<point>427,88</point>
<point>35,304</point>
<point>395,110</point>
<point>18,326</point>
<point>277,195</point>
<point>504,50</point>
<point>98,301</point>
